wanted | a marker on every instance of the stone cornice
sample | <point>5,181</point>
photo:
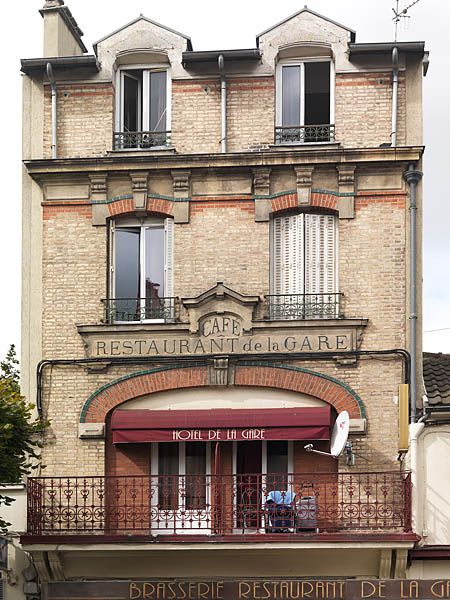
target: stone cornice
<point>41,168</point>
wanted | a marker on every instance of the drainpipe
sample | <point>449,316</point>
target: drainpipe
<point>394,96</point>
<point>412,177</point>
<point>54,122</point>
<point>223,103</point>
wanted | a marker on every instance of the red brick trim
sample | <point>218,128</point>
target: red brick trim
<point>289,201</point>
<point>329,390</point>
<point>155,205</point>
<point>82,209</point>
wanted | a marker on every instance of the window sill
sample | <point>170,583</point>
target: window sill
<point>156,150</point>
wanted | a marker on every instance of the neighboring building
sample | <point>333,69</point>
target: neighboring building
<point>218,259</point>
<point>430,460</point>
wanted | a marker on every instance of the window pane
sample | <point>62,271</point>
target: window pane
<point>158,97</point>
<point>291,96</point>
<point>317,93</point>
<point>168,480</point>
<point>277,465</point>
<point>131,101</point>
<point>154,272</point>
<point>127,273</point>
<point>195,475</point>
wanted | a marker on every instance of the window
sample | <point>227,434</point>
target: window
<point>141,270</point>
<point>304,267</point>
<point>143,109</point>
<point>304,102</point>
<point>182,475</point>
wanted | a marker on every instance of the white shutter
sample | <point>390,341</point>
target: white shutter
<point>168,259</point>
<point>321,254</point>
<point>288,251</point>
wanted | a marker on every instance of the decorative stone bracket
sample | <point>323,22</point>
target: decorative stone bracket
<point>261,188</point>
<point>346,181</point>
<point>139,189</point>
<point>99,194</point>
<point>304,184</point>
<point>181,194</point>
<point>220,372</point>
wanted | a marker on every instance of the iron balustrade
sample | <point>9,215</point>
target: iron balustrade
<point>138,310</point>
<point>220,504</point>
<point>282,307</point>
<point>141,140</point>
<point>307,134</point>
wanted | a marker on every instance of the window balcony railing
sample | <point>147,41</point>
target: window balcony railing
<point>304,134</point>
<point>137,310</point>
<point>141,140</point>
<point>220,504</point>
<point>282,307</point>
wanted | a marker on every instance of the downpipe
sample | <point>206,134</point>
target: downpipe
<point>413,177</point>
<point>223,103</point>
<point>54,107</point>
<point>394,96</point>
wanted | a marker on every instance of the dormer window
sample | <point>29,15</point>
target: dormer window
<point>305,102</point>
<point>143,109</point>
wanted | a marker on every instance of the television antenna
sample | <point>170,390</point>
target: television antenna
<point>401,14</point>
<point>339,440</point>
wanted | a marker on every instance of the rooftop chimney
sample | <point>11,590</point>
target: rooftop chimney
<point>62,36</point>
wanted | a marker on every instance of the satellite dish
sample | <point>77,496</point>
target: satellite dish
<point>339,437</point>
<point>339,434</point>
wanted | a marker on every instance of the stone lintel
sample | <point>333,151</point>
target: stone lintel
<point>139,188</point>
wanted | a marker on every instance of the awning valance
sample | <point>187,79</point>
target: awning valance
<point>137,426</point>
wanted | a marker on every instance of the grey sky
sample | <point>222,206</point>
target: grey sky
<point>234,24</point>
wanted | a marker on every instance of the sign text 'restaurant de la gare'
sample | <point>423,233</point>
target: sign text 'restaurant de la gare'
<point>252,589</point>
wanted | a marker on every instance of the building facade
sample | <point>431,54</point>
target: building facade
<point>219,260</point>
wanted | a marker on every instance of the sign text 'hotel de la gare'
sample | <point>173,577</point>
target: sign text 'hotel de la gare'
<point>224,326</point>
<point>251,589</point>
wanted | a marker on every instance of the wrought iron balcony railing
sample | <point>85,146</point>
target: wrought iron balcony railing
<point>304,134</point>
<point>282,307</point>
<point>140,140</point>
<point>220,504</point>
<point>140,309</point>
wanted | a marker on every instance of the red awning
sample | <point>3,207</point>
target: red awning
<point>133,426</point>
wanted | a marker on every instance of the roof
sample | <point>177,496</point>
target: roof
<point>436,375</point>
<point>142,18</point>
<point>213,55</point>
<point>386,47</point>
<point>312,12</point>
<point>86,61</point>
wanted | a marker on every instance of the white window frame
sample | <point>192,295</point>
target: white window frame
<point>144,108</point>
<point>295,62</point>
<point>143,224</point>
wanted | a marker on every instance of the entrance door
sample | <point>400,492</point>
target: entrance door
<point>181,490</point>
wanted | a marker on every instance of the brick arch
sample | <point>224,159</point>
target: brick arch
<point>125,205</point>
<point>289,200</point>
<point>296,379</point>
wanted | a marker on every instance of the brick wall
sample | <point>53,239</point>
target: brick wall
<point>222,242</point>
<point>85,120</point>
<point>363,109</point>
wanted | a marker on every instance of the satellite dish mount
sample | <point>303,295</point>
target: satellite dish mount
<point>339,440</point>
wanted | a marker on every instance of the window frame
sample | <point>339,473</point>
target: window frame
<point>300,62</point>
<point>167,223</point>
<point>144,111</point>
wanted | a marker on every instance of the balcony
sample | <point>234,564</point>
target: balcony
<point>141,140</point>
<point>243,507</point>
<point>304,134</point>
<point>140,310</point>
<point>283,307</point>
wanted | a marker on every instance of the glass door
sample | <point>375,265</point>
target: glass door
<point>181,490</point>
